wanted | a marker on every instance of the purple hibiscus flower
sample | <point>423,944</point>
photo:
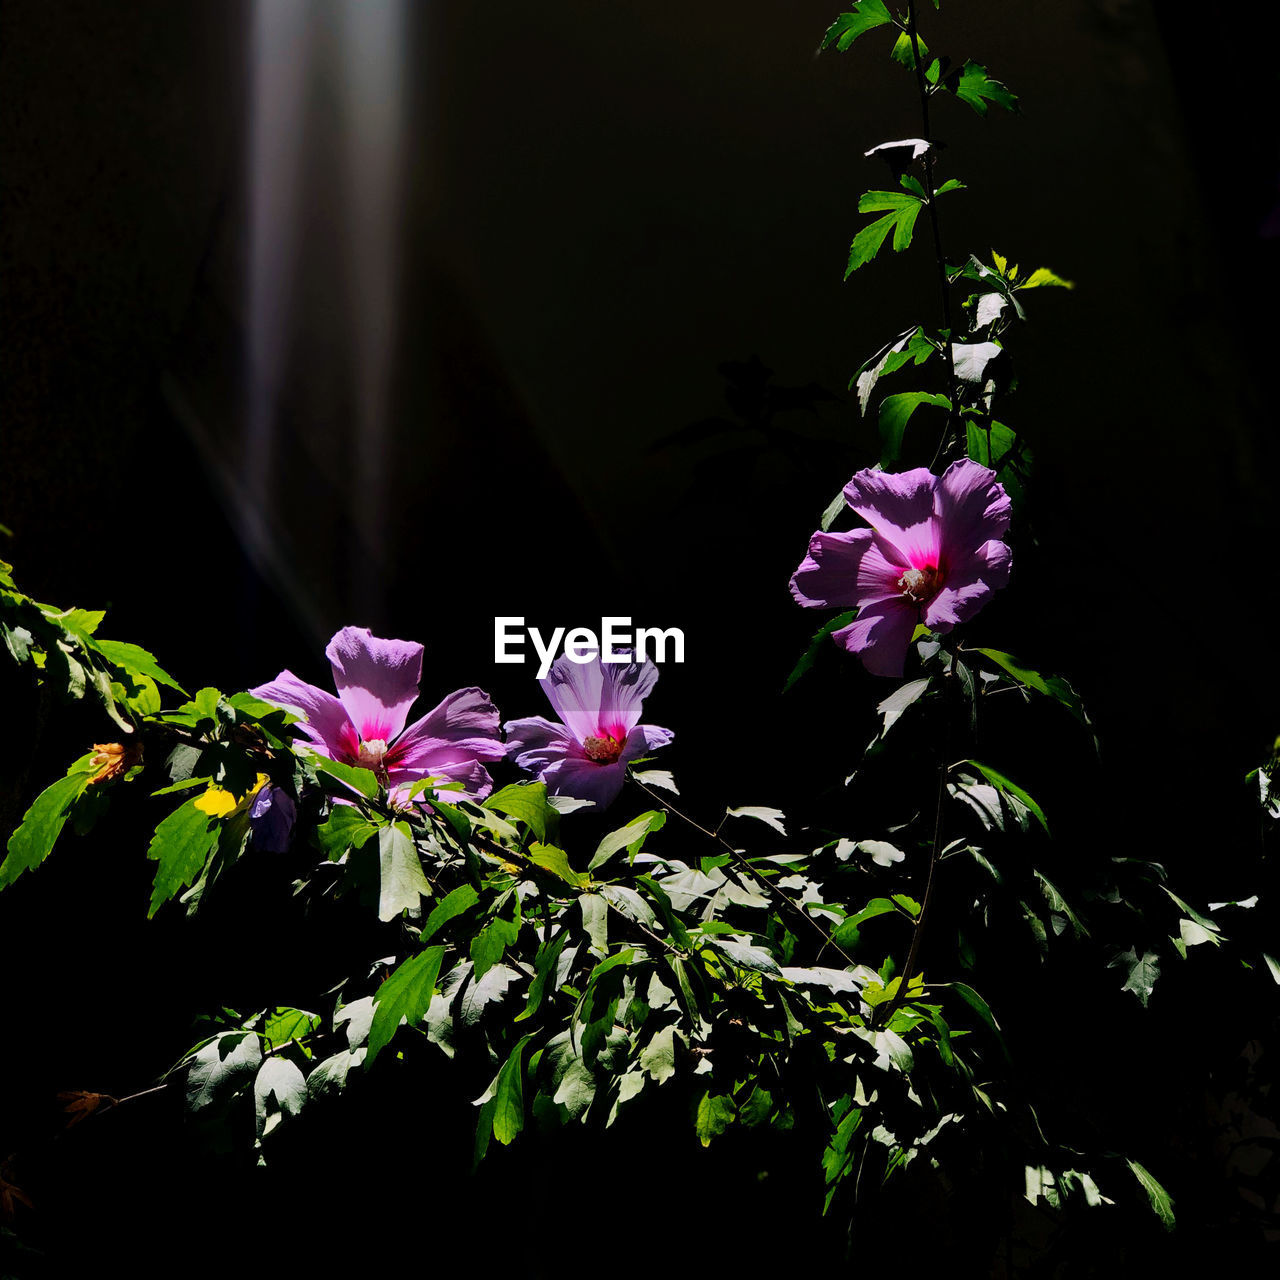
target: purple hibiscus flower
<point>271,818</point>
<point>377,683</point>
<point>933,554</point>
<point>599,704</point>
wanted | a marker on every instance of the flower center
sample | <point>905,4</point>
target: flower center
<point>919,585</point>
<point>602,750</point>
<point>371,757</point>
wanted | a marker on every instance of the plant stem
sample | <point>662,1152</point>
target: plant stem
<point>828,940</point>
<point>914,952</point>
<point>944,284</point>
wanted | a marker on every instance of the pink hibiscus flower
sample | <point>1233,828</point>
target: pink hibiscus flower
<point>377,683</point>
<point>933,554</point>
<point>600,704</point>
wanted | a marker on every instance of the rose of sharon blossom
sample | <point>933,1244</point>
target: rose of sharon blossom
<point>599,705</point>
<point>377,683</point>
<point>933,554</point>
<point>271,817</point>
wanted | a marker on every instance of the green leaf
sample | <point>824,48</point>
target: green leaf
<point>832,511</point>
<point>1042,277</point>
<point>219,1069</point>
<point>810,655</point>
<point>846,934</point>
<point>284,1025</point>
<point>1141,973</point>
<point>756,959</point>
<point>657,778</point>
<point>756,1109</point>
<point>527,803</point>
<point>362,781</point>
<point>981,1008</point>
<point>951,184</point>
<point>135,661</point>
<point>999,781</point>
<point>1161,1201</point>
<point>975,88</point>
<point>402,883</point>
<point>453,904</point>
<point>508,1098</point>
<point>489,944</point>
<point>621,958</point>
<point>716,1113</point>
<point>895,413</point>
<point>761,813</point>
<point>630,837</point>
<point>658,1057</point>
<point>181,845</point>
<point>41,825</point>
<point>1059,904</point>
<point>997,446</point>
<point>549,858</point>
<point>899,700</point>
<point>838,1158</point>
<point>904,51</point>
<point>456,819</point>
<point>910,345</point>
<point>545,964</point>
<point>404,997</point>
<point>346,828</point>
<point>278,1080</point>
<point>595,919</point>
<point>865,16</point>
<point>901,220</point>
<point>81,622</point>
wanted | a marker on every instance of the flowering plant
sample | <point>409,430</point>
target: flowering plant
<point>837,978</point>
<point>585,756</point>
<point>932,556</point>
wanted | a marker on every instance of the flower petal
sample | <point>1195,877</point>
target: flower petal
<point>576,691</point>
<point>536,742</point>
<point>881,636</point>
<point>972,508</point>
<point>847,568</point>
<point>376,679</point>
<point>900,507</point>
<point>643,739</point>
<point>585,779</point>
<point>474,777</point>
<point>626,685</point>
<point>327,724</point>
<point>967,588</point>
<point>271,819</point>
<point>463,726</point>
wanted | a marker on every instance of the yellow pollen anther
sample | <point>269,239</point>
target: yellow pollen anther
<point>919,585</point>
<point>603,750</point>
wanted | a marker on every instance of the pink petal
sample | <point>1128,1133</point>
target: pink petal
<point>972,508</point>
<point>625,687</point>
<point>643,739</point>
<point>900,507</point>
<point>881,636</point>
<point>847,568</point>
<point>966,588</point>
<point>463,726</point>
<point>576,690</point>
<point>377,680</point>
<point>327,724</point>
<point>585,779</point>
<point>536,742</point>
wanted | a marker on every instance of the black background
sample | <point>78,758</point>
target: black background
<point>597,209</point>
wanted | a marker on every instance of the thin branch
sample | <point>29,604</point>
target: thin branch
<point>827,939</point>
<point>944,285</point>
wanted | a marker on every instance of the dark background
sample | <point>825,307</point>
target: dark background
<point>434,384</point>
